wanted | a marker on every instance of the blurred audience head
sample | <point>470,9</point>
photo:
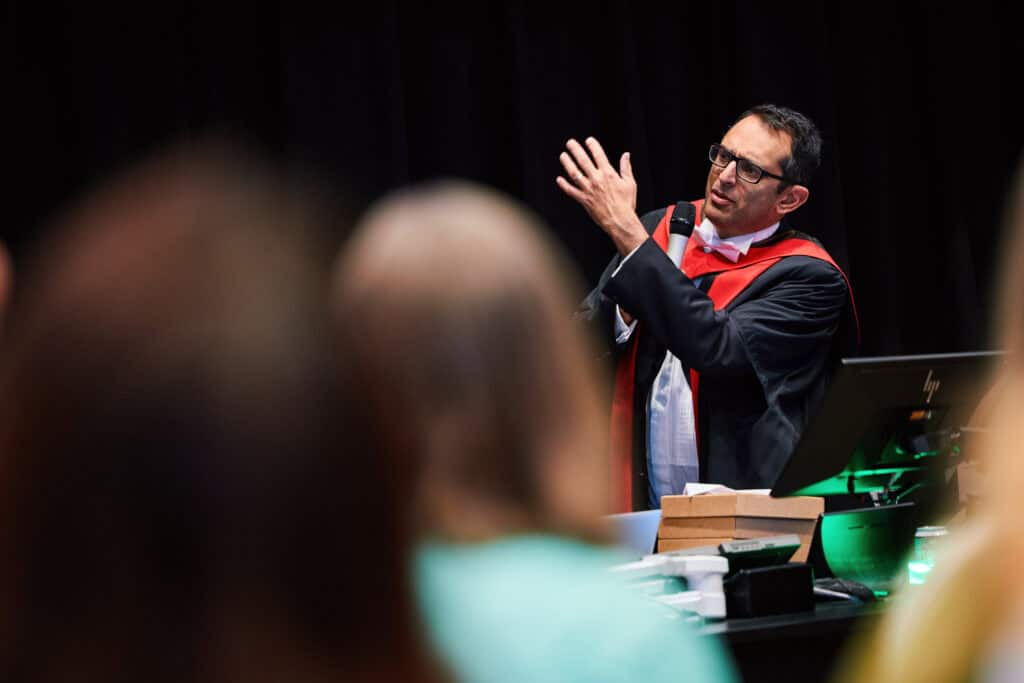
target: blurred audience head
<point>474,377</point>
<point>182,496</point>
<point>998,416</point>
<point>966,621</point>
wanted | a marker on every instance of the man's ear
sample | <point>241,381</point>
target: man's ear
<point>792,198</point>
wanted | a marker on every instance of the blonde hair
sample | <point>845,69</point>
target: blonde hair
<point>942,630</point>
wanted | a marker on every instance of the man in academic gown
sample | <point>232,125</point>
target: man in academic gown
<point>724,357</point>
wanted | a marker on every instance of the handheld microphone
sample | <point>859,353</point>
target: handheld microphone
<point>680,227</point>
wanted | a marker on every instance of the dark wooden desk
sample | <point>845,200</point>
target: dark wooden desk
<point>795,648</point>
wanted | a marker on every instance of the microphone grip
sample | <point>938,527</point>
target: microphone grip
<point>676,246</point>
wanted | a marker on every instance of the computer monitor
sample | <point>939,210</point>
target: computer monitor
<point>883,422</point>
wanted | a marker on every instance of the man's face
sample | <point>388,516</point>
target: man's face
<point>735,206</point>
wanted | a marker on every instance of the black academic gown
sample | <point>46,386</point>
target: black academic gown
<point>765,360</point>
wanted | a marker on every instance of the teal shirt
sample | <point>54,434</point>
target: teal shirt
<point>543,608</point>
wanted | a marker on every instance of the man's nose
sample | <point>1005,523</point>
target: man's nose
<point>728,174</point>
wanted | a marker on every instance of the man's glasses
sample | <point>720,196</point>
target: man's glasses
<point>746,170</point>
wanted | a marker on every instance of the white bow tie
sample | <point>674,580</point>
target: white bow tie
<point>726,249</point>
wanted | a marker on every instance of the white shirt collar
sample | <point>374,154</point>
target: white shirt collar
<point>732,247</point>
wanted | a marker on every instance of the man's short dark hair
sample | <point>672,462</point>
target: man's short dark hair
<point>805,155</point>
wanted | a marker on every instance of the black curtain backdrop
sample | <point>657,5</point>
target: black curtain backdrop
<point>914,102</point>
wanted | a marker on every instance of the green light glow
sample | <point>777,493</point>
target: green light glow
<point>917,572</point>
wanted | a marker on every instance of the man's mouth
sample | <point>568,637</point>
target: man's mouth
<point>721,198</point>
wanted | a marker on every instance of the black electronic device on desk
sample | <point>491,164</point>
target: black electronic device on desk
<point>886,425</point>
<point>889,427</point>
<point>753,553</point>
<point>761,581</point>
<point>749,553</point>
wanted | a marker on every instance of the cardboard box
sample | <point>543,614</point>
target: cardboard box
<point>666,544</point>
<point>732,527</point>
<point>742,505</point>
<point>710,519</point>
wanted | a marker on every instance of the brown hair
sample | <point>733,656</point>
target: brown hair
<point>458,307</point>
<point>181,496</point>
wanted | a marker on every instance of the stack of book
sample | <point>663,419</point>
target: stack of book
<point>714,518</point>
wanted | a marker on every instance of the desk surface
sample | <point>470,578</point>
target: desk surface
<point>803,646</point>
<point>826,616</point>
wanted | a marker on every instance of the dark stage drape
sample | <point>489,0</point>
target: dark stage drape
<point>914,102</point>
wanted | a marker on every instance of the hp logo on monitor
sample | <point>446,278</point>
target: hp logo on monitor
<point>931,386</point>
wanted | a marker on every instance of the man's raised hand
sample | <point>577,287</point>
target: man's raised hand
<point>609,196</point>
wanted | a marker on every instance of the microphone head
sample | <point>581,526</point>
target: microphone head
<point>682,220</point>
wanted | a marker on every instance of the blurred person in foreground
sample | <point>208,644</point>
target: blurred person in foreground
<point>966,622</point>
<point>475,378</point>
<point>181,496</point>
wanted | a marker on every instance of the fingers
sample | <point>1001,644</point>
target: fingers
<point>581,157</point>
<point>584,170</point>
<point>571,169</point>
<point>569,189</point>
<point>626,166</point>
<point>598,153</point>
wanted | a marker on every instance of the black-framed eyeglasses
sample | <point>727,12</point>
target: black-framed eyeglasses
<point>746,170</point>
